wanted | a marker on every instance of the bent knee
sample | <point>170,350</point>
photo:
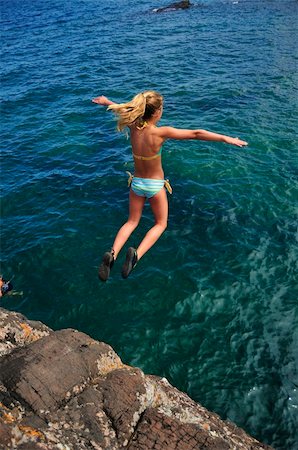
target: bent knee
<point>163,225</point>
<point>133,222</point>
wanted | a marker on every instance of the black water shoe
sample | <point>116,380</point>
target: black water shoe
<point>106,265</point>
<point>130,262</point>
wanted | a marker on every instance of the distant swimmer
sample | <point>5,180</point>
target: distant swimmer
<point>5,286</point>
<point>141,116</point>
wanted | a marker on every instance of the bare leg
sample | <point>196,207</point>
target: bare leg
<point>136,204</point>
<point>159,205</point>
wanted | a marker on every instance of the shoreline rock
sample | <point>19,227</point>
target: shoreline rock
<point>64,390</point>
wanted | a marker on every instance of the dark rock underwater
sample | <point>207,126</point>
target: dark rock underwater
<point>184,4</point>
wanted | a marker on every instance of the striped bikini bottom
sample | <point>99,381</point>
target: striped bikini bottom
<point>147,187</point>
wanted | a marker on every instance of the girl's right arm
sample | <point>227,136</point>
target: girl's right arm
<point>202,135</point>
<point>102,100</point>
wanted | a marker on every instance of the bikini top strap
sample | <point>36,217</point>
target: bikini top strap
<point>147,158</point>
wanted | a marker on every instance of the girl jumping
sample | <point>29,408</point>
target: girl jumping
<point>141,116</point>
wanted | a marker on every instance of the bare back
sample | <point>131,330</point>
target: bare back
<point>146,142</point>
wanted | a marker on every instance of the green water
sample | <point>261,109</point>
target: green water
<point>213,306</point>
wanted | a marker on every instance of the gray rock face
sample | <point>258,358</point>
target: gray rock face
<point>63,390</point>
<point>16,331</point>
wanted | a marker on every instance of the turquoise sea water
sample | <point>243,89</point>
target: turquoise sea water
<point>213,307</point>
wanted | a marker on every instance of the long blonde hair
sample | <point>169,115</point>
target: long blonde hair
<point>138,110</point>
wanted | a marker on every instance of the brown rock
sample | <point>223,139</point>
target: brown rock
<point>55,368</point>
<point>125,399</point>
<point>64,390</point>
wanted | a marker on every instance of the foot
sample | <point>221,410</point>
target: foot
<point>130,262</point>
<point>106,265</point>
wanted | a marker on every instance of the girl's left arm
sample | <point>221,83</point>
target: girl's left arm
<point>201,135</point>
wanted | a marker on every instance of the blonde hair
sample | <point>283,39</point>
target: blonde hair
<point>138,110</point>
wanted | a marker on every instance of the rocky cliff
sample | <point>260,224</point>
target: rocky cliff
<point>63,390</point>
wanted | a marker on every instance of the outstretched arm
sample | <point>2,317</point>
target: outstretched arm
<point>202,135</point>
<point>102,100</point>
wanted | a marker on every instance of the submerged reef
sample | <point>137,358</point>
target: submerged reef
<point>64,390</point>
<point>184,4</point>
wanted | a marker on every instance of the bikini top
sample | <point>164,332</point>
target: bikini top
<point>147,158</point>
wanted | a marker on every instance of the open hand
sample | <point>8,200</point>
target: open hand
<point>236,141</point>
<point>102,100</point>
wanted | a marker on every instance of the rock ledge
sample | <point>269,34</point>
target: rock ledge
<point>63,390</point>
